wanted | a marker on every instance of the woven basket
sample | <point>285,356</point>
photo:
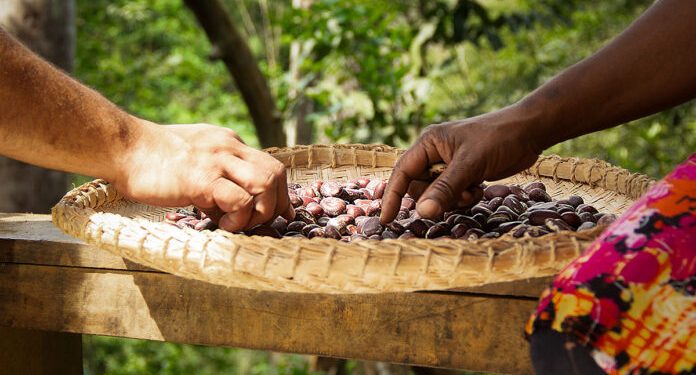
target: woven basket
<point>97,214</point>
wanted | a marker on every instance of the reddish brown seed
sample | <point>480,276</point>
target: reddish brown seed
<point>362,181</point>
<point>407,203</point>
<point>389,235</point>
<point>418,227</point>
<point>557,225</point>
<point>322,221</point>
<point>351,195</point>
<point>575,200</point>
<point>308,228</point>
<point>307,200</point>
<point>332,232</point>
<point>395,227</point>
<point>188,221</point>
<point>482,209</point>
<point>403,214</point>
<point>586,217</point>
<point>366,193</point>
<point>459,230</point>
<point>586,208</point>
<point>316,185</point>
<point>351,185</point>
<point>354,211</point>
<point>494,203</point>
<point>357,237</point>
<point>333,206</point>
<point>407,236</point>
<point>379,190</point>
<point>520,231</point>
<point>586,225</point>
<point>519,193</point>
<point>315,208</point>
<point>352,229</point>
<point>572,219</point>
<point>330,189</point>
<point>473,233</point>
<point>306,192</point>
<point>360,220</point>
<point>363,203</point>
<point>295,200</point>
<point>497,190</point>
<point>205,224</point>
<point>514,204</point>
<point>374,208</point>
<point>340,222</point>
<point>506,227</point>
<point>174,216</point>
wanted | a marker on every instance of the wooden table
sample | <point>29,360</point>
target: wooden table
<point>54,288</point>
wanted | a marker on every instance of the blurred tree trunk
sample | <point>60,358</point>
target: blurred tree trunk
<point>299,129</point>
<point>229,45</point>
<point>47,27</point>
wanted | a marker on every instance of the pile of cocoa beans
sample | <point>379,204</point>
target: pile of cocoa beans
<point>349,211</point>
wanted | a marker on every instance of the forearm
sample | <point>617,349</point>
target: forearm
<point>649,67</point>
<point>51,120</point>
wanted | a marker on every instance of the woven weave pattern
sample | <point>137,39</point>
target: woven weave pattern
<point>97,214</point>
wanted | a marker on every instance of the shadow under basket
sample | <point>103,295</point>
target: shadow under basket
<point>97,214</point>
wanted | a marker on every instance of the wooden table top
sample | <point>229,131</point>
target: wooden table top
<point>53,282</point>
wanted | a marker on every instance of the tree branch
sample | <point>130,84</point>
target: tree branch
<point>234,51</point>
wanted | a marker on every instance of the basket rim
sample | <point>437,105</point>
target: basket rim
<point>78,214</point>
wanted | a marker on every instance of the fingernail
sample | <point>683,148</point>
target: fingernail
<point>428,208</point>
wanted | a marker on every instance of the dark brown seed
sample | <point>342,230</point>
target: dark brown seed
<point>351,195</point>
<point>586,217</point>
<point>429,222</point>
<point>482,209</point>
<point>387,234</point>
<point>293,234</point>
<point>506,227</point>
<point>459,230</point>
<point>263,230</point>
<point>418,227</point>
<point>558,225</point>
<point>414,215</point>
<point>303,215</point>
<point>571,218</point>
<point>366,193</point>
<point>539,195</point>
<point>354,211</point>
<point>351,185</point>
<point>514,204</point>
<point>491,235</point>
<point>315,232</point>
<point>395,227</point>
<point>294,186</point>
<point>553,206</point>
<point>508,211</point>
<point>474,232</point>
<point>494,203</point>
<point>565,208</point>
<point>333,206</point>
<point>539,217</point>
<point>295,200</point>
<point>407,236</point>
<point>436,231</point>
<point>308,228</point>
<point>575,200</point>
<point>332,232</point>
<point>407,203</point>
<point>537,231</point>
<point>586,225</point>
<point>280,224</point>
<point>586,208</point>
<point>470,222</point>
<point>534,185</point>
<point>496,219</point>
<point>330,189</point>
<point>520,231</point>
<point>493,191</point>
<point>185,212</point>
<point>296,226</point>
<point>452,220</point>
<point>315,209</point>
<point>606,219</point>
<point>480,218</point>
<point>374,237</point>
<point>519,193</point>
<point>322,221</point>
<point>371,226</point>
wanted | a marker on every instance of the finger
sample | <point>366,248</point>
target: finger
<point>411,165</point>
<point>446,190</point>
<point>255,177</point>
<point>470,197</point>
<point>284,207</point>
<point>417,187</point>
<point>235,202</point>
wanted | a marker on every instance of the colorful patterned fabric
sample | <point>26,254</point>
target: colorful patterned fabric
<point>631,297</point>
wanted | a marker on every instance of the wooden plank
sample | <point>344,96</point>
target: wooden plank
<point>451,330</point>
<point>33,239</point>
<point>31,352</point>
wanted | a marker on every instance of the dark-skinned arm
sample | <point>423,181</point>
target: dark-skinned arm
<point>647,68</point>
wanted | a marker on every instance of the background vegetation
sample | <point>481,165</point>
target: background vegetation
<point>351,71</point>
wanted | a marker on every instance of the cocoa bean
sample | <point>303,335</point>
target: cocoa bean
<point>539,217</point>
<point>497,190</point>
<point>333,206</point>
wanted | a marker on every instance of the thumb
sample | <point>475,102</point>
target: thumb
<point>447,189</point>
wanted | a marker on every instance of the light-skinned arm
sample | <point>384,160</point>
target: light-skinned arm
<point>51,120</point>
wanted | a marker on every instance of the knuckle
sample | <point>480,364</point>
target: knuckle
<point>443,187</point>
